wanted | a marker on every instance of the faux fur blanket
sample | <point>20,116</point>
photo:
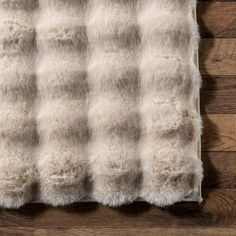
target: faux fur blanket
<point>98,101</point>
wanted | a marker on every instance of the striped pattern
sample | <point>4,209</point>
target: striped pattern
<point>98,100</point>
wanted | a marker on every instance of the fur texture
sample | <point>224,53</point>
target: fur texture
<point>98,100</point>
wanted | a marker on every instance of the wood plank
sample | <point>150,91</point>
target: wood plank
<point>217,57</point>
<point>217,19</point>
<point>216,0</point>
<point>128,231</point>
<point>218,95</point>
<point>219,132</point>
<point>218,210</point>
<point>219,170</point>
<point>20,231</point>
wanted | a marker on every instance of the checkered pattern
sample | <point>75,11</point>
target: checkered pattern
<point>98,100</point>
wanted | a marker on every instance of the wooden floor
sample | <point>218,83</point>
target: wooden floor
<point>216,216</point>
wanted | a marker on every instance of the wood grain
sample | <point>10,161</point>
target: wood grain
<point>128,231</point>
<point>217,19</point>
<point>218,95</point>
<point>219,132</point>
<point>218,209</point>
<point>219,170</point>
<point>217,57</point>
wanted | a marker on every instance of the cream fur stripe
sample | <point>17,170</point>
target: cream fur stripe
<point>98,100</point>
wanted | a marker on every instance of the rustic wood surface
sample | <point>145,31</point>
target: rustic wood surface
<point>218,95</point>
<point>216,215</point>
<point>218,56</point>
<point>219,132</point>
<point>27,231</point>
